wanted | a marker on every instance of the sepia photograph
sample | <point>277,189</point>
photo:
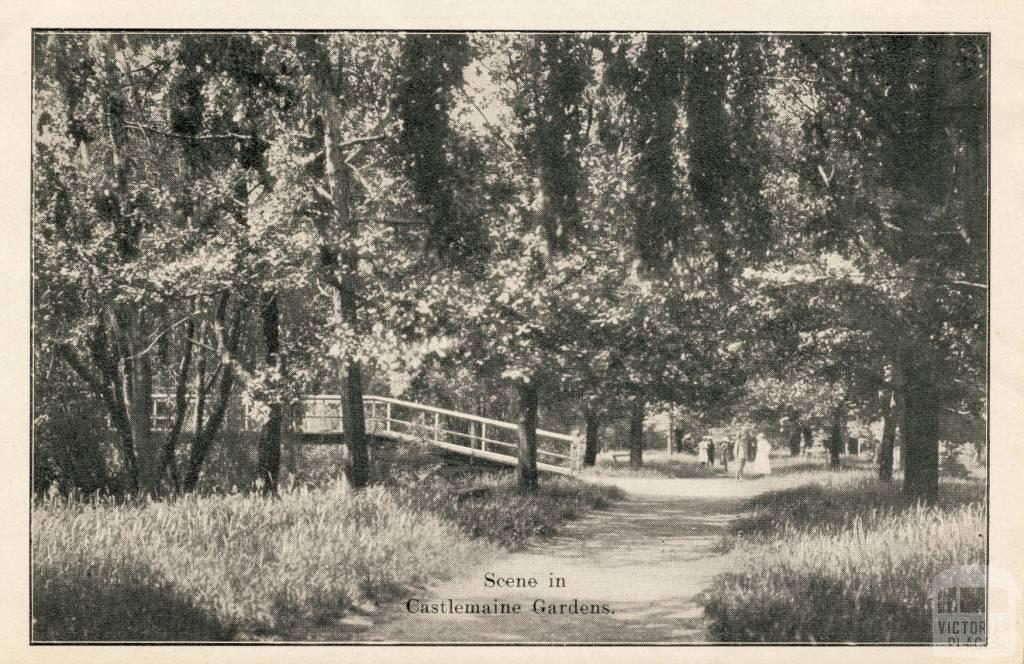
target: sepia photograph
<point>516,337</point>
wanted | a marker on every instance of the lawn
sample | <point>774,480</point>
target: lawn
<point>221,566</point>
<point>842,557</point>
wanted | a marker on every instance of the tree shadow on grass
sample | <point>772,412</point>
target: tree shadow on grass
<point>86,609</point>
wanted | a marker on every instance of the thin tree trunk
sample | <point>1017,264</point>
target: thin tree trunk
<point>885,452</point>
<point>270,439</point>
<point>592,424</point>
<point>526,471</point>
<point>204,437</point>
<point>837,435</point>
<point>636,432</point>
<point>180,406</point>
<point>201,389</point>
<point>808,435</point>
<point>920,436</point>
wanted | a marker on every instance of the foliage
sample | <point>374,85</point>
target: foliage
<point>748,225</point>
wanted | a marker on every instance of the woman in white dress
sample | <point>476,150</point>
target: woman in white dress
<point>702,452</point>
<point>762,463</point>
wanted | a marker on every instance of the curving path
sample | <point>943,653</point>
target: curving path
<point>645,558</point>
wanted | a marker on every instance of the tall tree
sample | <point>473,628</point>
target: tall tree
<point>898,137</point>
<point>114,167</point>
<point>554,71</point>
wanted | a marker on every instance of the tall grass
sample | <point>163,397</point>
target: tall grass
<point>218,566</point>
<point>226,563</point>
<point>846,559</point>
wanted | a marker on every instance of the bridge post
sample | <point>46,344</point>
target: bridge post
<point>437,427</point>
<point>483,436</point>
<point>387,416</point>
<point>576,453</point>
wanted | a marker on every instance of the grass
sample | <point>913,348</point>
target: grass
<point>659,464</point>
<point>221,566</point>
<point>843,558</point>
<point>656,464</point>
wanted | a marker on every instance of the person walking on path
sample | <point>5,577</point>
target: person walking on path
<point>702,452</point>
<point>723,453</point>
<point>762,462</point>
<point>739,455</point>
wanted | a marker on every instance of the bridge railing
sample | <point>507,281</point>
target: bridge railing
<point>476,431</point>
<point>321,413</point>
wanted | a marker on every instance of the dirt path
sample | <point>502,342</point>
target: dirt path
<point>644,559</point>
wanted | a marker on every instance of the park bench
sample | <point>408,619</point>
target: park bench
<point>619,455</point>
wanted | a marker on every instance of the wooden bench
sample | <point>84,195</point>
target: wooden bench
<point>620,455</point>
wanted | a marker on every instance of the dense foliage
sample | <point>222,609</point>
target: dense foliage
<point>756,227</point>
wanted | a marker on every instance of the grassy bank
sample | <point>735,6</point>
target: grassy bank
<point>842,559</point>
<point>214,567</point>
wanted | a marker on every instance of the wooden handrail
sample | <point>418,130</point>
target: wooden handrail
<point>464,416</point>
<point>334,398</point>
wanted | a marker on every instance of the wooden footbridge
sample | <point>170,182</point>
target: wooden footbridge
<point>469,435</point>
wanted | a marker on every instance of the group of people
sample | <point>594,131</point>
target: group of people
<point>739,452</point>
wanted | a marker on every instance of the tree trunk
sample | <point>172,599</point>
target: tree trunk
<point>636,433</point>
<point>270,439</point>
<point>107,387</point>
<point>526,471</point>
<point>794,438</point>
<point>837,435</point>
<point>180,406</point>
<point>920,435</point>
<point>147,447</point>
<point>592,423</point>
<point>888,440</point>
<point>808,435</point>
<point>358,470</point>
<point>228,347</point>
<point>338,181</point>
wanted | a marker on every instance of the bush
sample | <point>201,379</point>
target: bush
<point>846,561</point>
<point>490,506</point>
<point>71,447</point>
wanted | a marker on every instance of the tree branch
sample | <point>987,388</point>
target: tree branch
<point>359,141</point>
<point>187,137</point>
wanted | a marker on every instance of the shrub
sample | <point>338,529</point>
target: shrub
<point>489,506</point>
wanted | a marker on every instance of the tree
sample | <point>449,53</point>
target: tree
<point>510,314</point>
<point>122,217</point>
<point>343,83</point>
<point>898,135</point>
